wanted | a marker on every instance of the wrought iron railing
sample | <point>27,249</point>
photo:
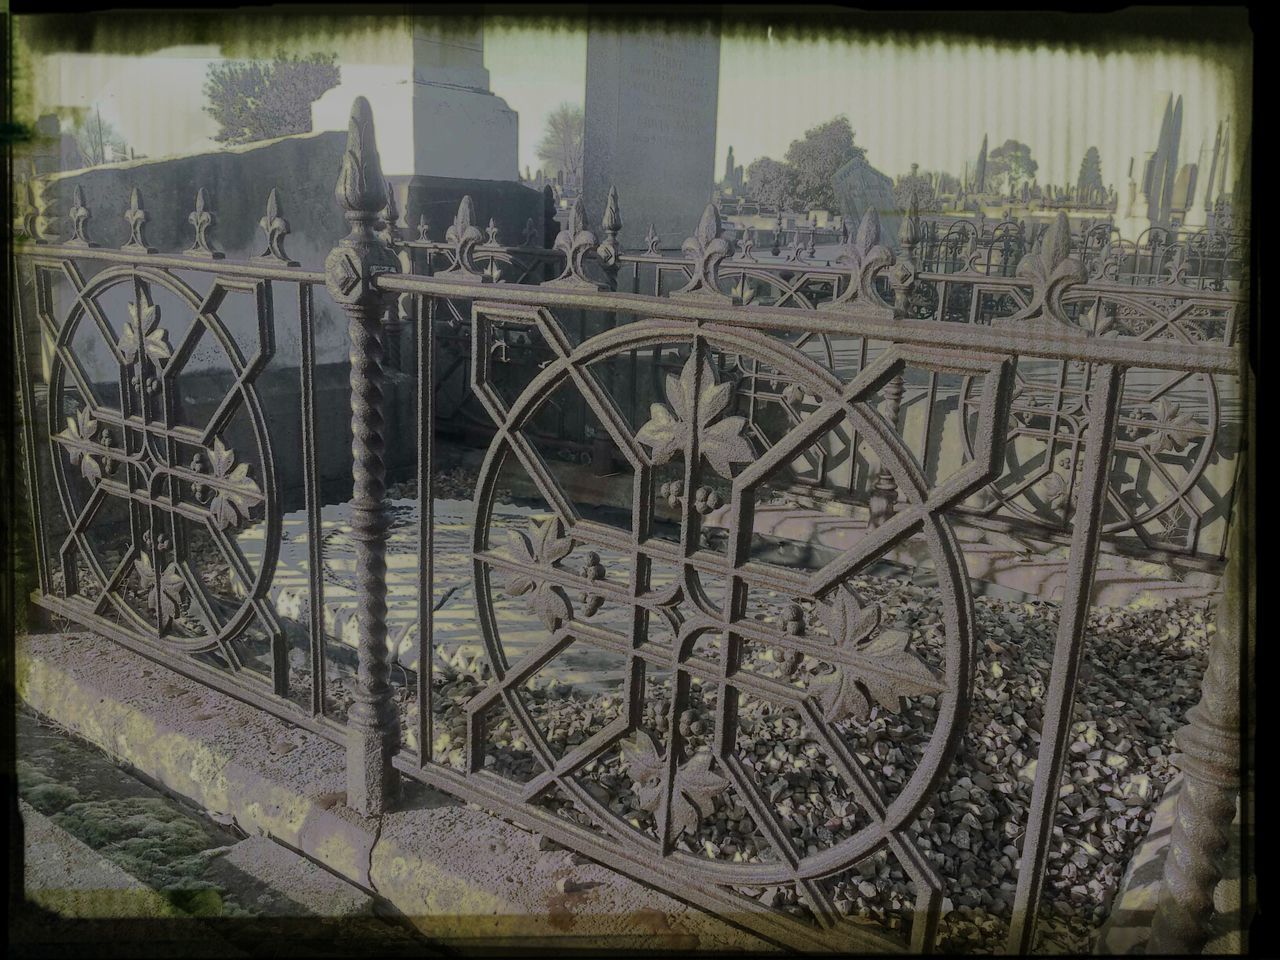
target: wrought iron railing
<point>1173,471</point>
<point>678,606</point>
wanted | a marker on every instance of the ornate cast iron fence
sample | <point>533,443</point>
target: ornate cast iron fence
<point>138,495</point>
<point>675,623</point>
<point>1172,477</point>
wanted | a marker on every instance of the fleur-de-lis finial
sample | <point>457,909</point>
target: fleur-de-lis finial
<point>708,248</point>
<point>651,242</point>
<point>1051,270</point>
<point>46,221</point>
<point>609,251</point>
<point>136,217</point>
<point>1176,268</point>
<point>491,234</point>
<point>464,235</point>
<point>202,219</point>
<point>80,216</point>
<point>423,228</point>
<point>276,227</point>
<point>575,241</point>
<point>865,256</point>
<point>30,213</point>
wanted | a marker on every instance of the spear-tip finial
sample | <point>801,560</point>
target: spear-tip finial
<point>361,189</point>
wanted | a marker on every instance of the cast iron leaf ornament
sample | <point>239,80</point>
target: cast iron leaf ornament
<point>696,785</point>
<point>164,594</point>
<point>887,668</point>
<point>142,332</point>
<point>1174,430</point>
<point>543,546</point>
<point>83,427</point>
<point>234,497</point>
<point>361,186</point>
<point>609,250</point>
<point>720,441</point>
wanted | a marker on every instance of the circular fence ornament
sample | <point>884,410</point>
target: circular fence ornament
<point>720,624</point>
<point>129,451</point>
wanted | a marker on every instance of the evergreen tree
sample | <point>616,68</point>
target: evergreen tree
<point>1089,183</point>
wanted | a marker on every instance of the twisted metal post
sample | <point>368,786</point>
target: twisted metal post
<point>1210,763</point>
<point>350,270</point>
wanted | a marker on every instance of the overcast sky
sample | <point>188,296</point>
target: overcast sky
<point>928,104</point>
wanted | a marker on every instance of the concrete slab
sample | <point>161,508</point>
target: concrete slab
<point>290,885</point>
<point>458,873</point>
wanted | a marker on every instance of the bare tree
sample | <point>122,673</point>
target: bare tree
<point>253,100</point>
<point>97,140</point>
<point>561,145</point>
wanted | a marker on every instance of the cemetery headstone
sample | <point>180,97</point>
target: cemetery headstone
<point>861,187</point>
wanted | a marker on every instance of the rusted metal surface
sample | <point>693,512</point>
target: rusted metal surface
<point>1163,496</point>
<point>841,350</point>
<point>351,271</point>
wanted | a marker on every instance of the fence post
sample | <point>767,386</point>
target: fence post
<point>350,269</point>
<point>1210,763</point>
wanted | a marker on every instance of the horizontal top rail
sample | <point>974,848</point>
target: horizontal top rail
<point>263,269</point>
<point>1030,339</point>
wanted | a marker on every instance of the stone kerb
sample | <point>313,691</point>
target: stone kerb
<point>458,873</point>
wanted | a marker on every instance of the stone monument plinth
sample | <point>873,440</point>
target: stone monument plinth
<point>650,126</point>
<point>439,120</point>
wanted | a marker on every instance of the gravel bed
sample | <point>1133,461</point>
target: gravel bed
<point>1140,676</point>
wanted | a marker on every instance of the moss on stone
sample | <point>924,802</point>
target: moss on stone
<point>50,798</point>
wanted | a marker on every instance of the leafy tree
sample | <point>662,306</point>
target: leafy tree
<point>1012,161</point>
<point>254,100</point>
<point>815,158</point>
<point>97,140</point>
<point>1089,183</point>
<point>561,145</point>
<point>770,183</point>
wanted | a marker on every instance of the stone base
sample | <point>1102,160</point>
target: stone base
<point>457,873</point>
<point>429,128</point>
<point>507,203</point>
